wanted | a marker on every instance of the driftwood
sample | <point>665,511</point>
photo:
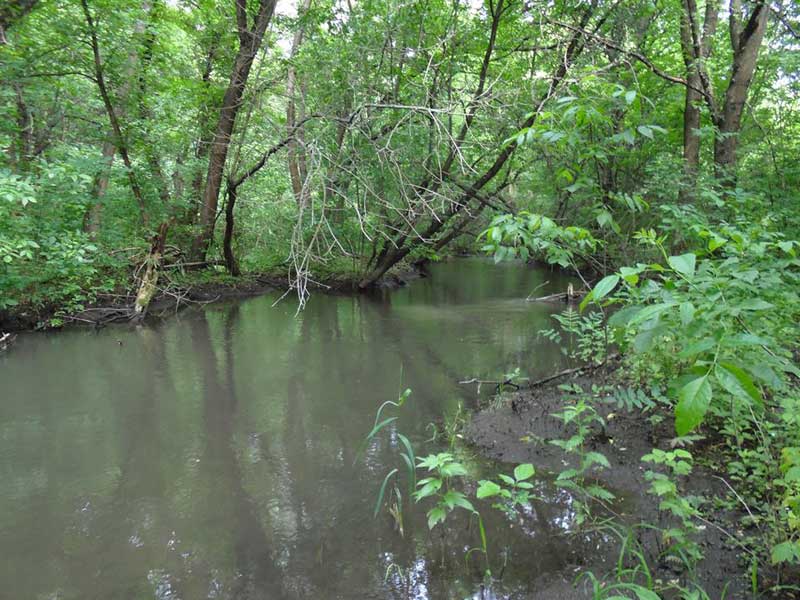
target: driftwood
<point>571,295</point>
<point>6,339</point>
<point>498,384</point>
<point>152,265</point>
<point>565,372</point>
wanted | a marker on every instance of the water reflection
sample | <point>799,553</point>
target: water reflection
<point>213,455</point>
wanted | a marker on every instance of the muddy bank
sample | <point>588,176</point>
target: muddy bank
<point>118,307</point>
<point>520,426</point>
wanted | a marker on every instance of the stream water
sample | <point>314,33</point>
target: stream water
<point>214,454</point>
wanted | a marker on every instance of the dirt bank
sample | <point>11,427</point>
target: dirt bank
<point>520,427</point>
<point>118,307</point>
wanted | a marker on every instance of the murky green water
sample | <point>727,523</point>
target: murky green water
<point>212,455</point>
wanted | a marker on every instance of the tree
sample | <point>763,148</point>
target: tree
<point>696,46</point>
<point>250,38</point>
<point>746,36</point>
<point>11,13</point>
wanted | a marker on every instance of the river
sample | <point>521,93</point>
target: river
<point>214,454</point>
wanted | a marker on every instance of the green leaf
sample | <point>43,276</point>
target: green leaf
<point>380,426</point>
<point>410,460</point>
<point>747,339</point>
<point>596,491</point>
<point>683,264</point>
<point>630,96</point>
<point>487,489</point>
<point>382,492</point>
<point>645,594</point>
<point>788,552</point>
<point>567,474</point>
<point>755,304</point>
<point>507,479</point>
<point>645,131</point>
<point>604,218</point>
<point>644,340</point>
<point>601,290</point>
<point>737,382</point>
<point>651,311</point>
<point>428,487</point>
<point>595,458</point>
<point>716,242</point>
<point>452,499</point>
<point>687,311</point>
<point>411,471</point>
<point>453,469</point>
<point>698,347</point>
<point>766,374</point>
<point>623,316</point>
<point>694,398</point>
<point>662,487</point>
<point>628,136</point>
<point>630,275</point>
<point>365,442</point>
<point>524,471</point>
<point>436,515</point>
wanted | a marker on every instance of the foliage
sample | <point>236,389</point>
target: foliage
<point>443,468</point>
<point>43,259</point>
<point>582,416</point>
<point>512,491</point>
<point>677,463</point>
<point>587,338</point>
<point>718,325</point>
<point>527,236</point>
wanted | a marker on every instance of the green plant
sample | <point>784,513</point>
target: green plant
<point>526,235</point>
<point>443,468</point>
<point>677,463</point>
<point>633,399</point>
<point>406,454</point>
<point>716,326</point>
<point>723,345</point>
<point>631,577</point>
<point>587,338</point>
<point>581,416</point>
<point>512,491</point>
<point>788,550</point>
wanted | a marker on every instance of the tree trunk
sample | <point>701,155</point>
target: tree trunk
<point>746,44</point>
<point>696,47</point>
<point>298,171</point>
<point>11,13</point>
<point>113,117</point>
<point>249,45</point>
<point>204,137</point>
<point>691,123</point>
<point>25,128</point>
<point>94,216</point>
<point>149,284</point>
<point>227,241</point>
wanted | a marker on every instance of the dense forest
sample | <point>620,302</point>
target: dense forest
<point>647,147</point>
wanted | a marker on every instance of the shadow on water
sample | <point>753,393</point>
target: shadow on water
<point>227,508</point>
<point>214,455</point>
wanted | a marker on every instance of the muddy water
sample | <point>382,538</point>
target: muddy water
<point>213,455</point>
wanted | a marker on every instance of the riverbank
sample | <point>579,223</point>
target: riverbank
<point>521,428</point>
<point>192,288</point>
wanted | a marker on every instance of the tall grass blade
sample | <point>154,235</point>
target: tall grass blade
<point>382,492</point>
